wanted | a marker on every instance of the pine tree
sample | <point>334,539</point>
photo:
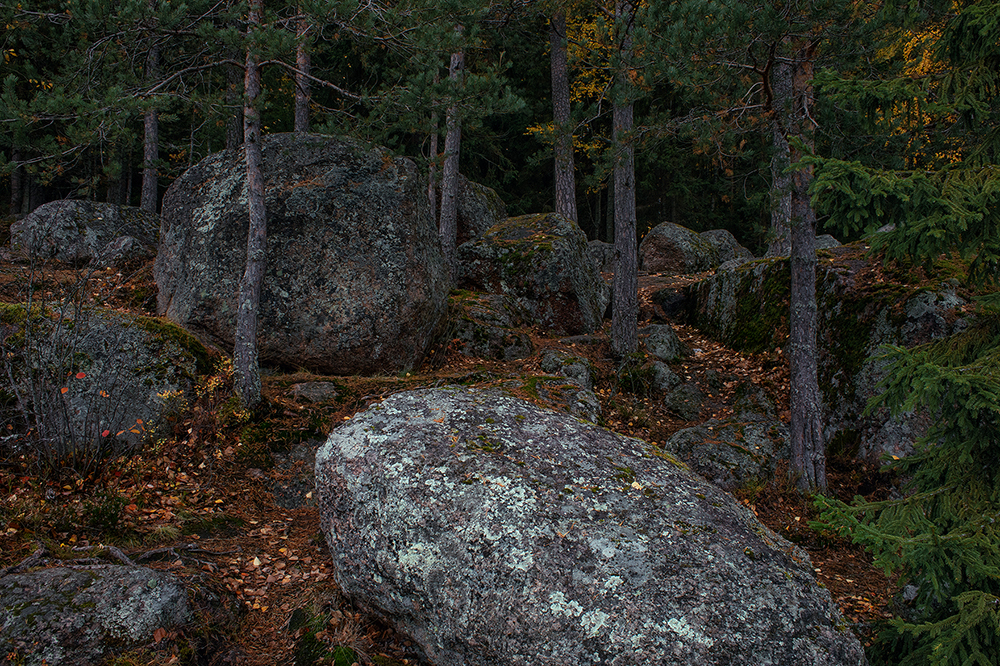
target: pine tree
<point>943,535</point>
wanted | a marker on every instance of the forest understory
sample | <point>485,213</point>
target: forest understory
<point>209,499</point>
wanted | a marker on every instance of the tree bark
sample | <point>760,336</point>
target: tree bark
<point>16,182</point>
<point>779,242</point>
<point>625,306</point>
<point>565,178</point>
<point>245,359</point>
<point>151,130</point>
<point>302,64</point>
<point>448,224</point>
<point>235,80</point>
<point>808,465</point>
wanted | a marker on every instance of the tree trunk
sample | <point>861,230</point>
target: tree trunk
<point>625,306</point>
<point>151,130</point>
<point>565,179</point>
<point>432,164</point>
<point>302,63</point>
<point>235,80</point>
<point>779,242</point>
<point>245,362</point>
<point>16,182</point>
<point>808,465</point>
<point>448,225</point>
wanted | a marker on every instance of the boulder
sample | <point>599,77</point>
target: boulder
<point>86,231</point>
<point>78,616</point>
<point>732,454</point>
<point>603,255</point>
<point>662,342</point>
<point>543,262</point>
<point>575,368</point>
<point>479,208</point>
<point>355,280</point>
<point>488,326</point>
<point>676,250</point>
<point>684,401</point>
<point>494,533</point>
<point>747,309</point>
<point>87,372</point>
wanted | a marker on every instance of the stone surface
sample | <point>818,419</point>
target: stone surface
<point>355,280</point>
<point>315,391</point>
<point>496,533</point>
<point>662,342</point>
<point>574,368</point>
<point>77,616</point>
<point>123,374</point>
<point>84,231</point>
<point>684,401</point>
<point>488,326</point>
<point>676,250</point>
<point>732,454</point>
<point>543,262</point>
<point>747,310</point>
<point>479,208</point>
<point>603,255</point>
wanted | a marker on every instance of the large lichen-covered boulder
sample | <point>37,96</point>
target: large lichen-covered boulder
<point>85,231</point>
<point>355,281</point>
<point>479,208</point>
<point>93,379</point>
<point>82,615</point>
<point>494,533</point>
<point>543,262</point>
<point>746,308</point>
<point>676,250</point>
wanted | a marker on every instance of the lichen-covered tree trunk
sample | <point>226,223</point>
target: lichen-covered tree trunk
<point>151,131</point>
<point>448,224</point>
<point>808,464</point>
<point>245,361</point>
<point>565,179</point>
<point>625,305</point>
<point>302,64</point>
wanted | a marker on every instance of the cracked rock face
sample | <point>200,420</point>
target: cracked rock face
<point>494,532</point>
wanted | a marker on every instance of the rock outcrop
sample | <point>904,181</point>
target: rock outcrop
<point>496,533</point>
<point>97,380</point>
<point>488,326</point>
<point>676,250</point>
<point>86,231</point>
<point>355,282</point>
<point>543,262</point>
<point>746,308</point>
<point>479,208</point>
<point>81,615</point>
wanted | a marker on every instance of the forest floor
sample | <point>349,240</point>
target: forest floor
<point>224,501</point>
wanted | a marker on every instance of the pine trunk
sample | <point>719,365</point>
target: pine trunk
<point>448,224</point>
<point>302,64</point>
<point>808,465</point>
<point>565,179</point>
<point>151,132</point>
<point>16,182</point>
<point>625,305</point>
<point>235,81</point>
<point>779,243</point>
<point>245,362</point>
